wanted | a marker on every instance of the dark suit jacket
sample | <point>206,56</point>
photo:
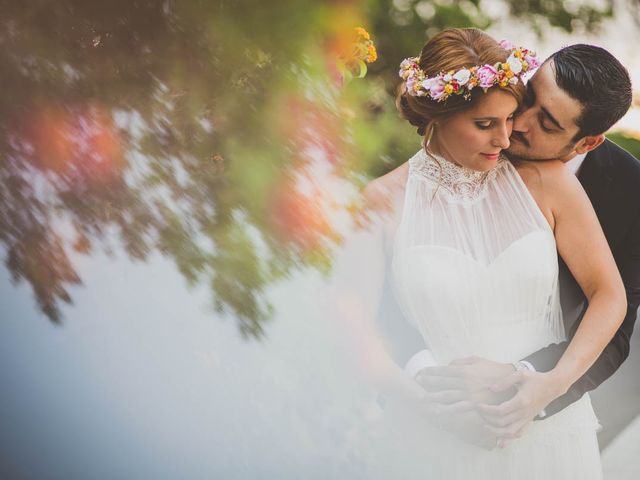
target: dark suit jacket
<point>611,178</point>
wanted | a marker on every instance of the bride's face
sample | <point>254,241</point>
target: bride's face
<point>474,138</point>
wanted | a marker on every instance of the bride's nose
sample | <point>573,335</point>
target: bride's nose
<point>501,138</point>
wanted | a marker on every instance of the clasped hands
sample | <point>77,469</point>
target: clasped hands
<point>485,402</point>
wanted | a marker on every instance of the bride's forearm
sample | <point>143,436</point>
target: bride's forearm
<point>397,384</point>
<point>385,375</point>
<point>372,360</point>
<point>601,320</point>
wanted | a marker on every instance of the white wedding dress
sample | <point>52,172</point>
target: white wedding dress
<point>474,268</point>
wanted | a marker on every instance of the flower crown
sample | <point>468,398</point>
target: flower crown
<point>461,82</point>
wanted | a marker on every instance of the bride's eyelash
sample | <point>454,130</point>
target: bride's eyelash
<point>486,124</point>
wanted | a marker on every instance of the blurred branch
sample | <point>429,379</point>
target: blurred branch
<point>200,129</point>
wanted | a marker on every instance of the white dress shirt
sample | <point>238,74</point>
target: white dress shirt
<point>575,163</point>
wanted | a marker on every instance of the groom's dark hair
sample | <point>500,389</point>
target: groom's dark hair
<point>598,81</point>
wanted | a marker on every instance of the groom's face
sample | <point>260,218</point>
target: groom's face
<point>546,125</point>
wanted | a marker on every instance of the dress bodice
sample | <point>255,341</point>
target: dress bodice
<point>475,263</point>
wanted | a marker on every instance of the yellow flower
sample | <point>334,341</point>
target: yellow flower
<point>363,33</point>
<point>372,54</point>
<point>505,67</point>
<point>509,73</point>
<point>448,88</point>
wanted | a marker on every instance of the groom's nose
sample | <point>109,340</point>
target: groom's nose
<point>522,120</point>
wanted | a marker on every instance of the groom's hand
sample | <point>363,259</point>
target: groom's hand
<point>465,380</point>
<point>535,391</point>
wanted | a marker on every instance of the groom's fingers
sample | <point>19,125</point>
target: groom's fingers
<point>507,382</point>
<point>503,421</point>
<point>446,397</point>
<point>512,405</point>
<point>448,409</point>
<point>442,371</point>
<point>464,361</point>
<point>436,384</point>
<point>513,430</point>
<point>459,407</point>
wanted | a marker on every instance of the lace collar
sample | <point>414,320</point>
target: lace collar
<point>458,183</point>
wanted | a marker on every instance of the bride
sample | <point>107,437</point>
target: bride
<point>469,241</point>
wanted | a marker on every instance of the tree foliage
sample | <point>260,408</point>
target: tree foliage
<point>194,129</point>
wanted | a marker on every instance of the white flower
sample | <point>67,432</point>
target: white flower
<point>514,64</point>
<point>462,76</point>
<point>513,80</point>
<point>447,78</point>
<point>428,82</point>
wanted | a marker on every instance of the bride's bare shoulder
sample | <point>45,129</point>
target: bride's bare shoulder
<point>379,194</point>
<point>550,183</point>
<point>545,177</point>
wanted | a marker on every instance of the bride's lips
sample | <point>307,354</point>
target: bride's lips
<point>491,156</point>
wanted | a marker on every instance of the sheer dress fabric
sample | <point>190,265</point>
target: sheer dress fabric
<point>474,268</point>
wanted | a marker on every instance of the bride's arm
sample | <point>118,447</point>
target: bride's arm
<point>583,246</point>
<point>359,276</point>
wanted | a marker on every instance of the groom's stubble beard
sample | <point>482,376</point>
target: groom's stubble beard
<point>520,149</point>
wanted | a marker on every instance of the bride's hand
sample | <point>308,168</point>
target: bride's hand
<point>465,379</point>
<point>535,391</point>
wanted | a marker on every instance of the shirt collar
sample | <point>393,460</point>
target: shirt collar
<point>575,163</point>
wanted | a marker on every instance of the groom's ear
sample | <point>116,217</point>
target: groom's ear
<point>588,143</point>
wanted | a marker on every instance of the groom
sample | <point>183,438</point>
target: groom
<point>575,96</point>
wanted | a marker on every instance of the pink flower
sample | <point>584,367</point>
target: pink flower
<point>532,61</point>
<point>411,84</point>
<point>435,87</point>
<point>408,67</point>
<point>507,45</point>
<point>486,76</point>
<point>407,62</point>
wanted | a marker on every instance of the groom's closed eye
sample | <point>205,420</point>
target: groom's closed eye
<point>548,123</point>
<point>541,122</point>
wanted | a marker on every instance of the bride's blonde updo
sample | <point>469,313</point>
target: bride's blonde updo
<point>452,49</point>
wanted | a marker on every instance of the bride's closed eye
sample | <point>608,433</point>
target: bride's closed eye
<point>486,124</point>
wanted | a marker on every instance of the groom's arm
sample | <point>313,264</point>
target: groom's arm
<point>616,352</point>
